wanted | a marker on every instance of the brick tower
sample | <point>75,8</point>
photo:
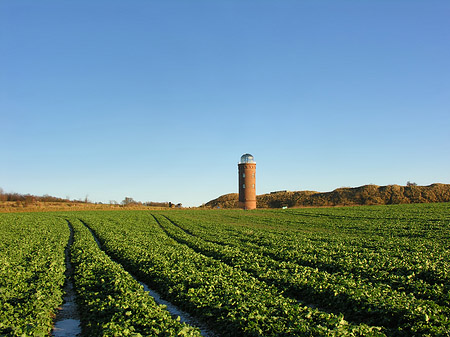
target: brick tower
<point>247,181</point>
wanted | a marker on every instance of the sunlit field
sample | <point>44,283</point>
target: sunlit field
<point>348,271</point>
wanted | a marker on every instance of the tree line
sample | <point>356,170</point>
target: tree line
<point>29,198</point>
<point>130,201</point>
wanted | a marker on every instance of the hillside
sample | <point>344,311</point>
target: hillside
<point>363,195</point>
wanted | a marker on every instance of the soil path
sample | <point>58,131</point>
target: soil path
<point>67,321</point>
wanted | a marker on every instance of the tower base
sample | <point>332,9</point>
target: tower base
<point>247,205</point>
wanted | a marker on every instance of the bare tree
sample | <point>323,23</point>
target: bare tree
<point>3,196</point>
<point>128,201</point>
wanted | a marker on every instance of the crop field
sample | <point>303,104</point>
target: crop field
<point>348,271</point>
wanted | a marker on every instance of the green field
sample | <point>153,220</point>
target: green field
<point>349,271</point>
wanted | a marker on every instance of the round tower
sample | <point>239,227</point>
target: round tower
<point>247,181</point>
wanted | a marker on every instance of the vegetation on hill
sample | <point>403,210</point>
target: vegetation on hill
<point>363,195</point>
<point>28,198</point>
<point>16,202</point>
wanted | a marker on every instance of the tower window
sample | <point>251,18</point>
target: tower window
<point>243,185</point>
<point>243,175</point>
<point>253,185</point>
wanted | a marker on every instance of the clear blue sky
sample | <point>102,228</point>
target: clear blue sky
<point>157,100</point>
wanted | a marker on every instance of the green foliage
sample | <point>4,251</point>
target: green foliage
<point>31,272</point>
<point>232,300</point>
<point>359,271</point>
<point>112,303</point>
<point>388,277</point>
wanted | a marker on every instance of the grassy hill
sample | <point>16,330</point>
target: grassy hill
<point>363,195</point>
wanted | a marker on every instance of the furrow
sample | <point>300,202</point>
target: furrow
<point>67,320</point>
<point>174,310</point>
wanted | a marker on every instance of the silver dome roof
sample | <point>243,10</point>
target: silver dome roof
<point>247,158</point>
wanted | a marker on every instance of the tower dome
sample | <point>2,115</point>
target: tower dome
<point>247,158</point>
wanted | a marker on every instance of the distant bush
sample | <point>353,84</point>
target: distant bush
<point>28,198</point>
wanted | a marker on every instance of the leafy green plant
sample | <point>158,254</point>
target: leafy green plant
<point>31,272</point>
<point>112,302</point>
<point>232,300</point>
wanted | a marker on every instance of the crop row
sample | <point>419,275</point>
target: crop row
<point>375,304</point>
<point>111,301</point>
<point>32,266</point>
<point>230,299</point>
<point>412,265</point>
<point>385,270</point>
<point>31,272</point>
